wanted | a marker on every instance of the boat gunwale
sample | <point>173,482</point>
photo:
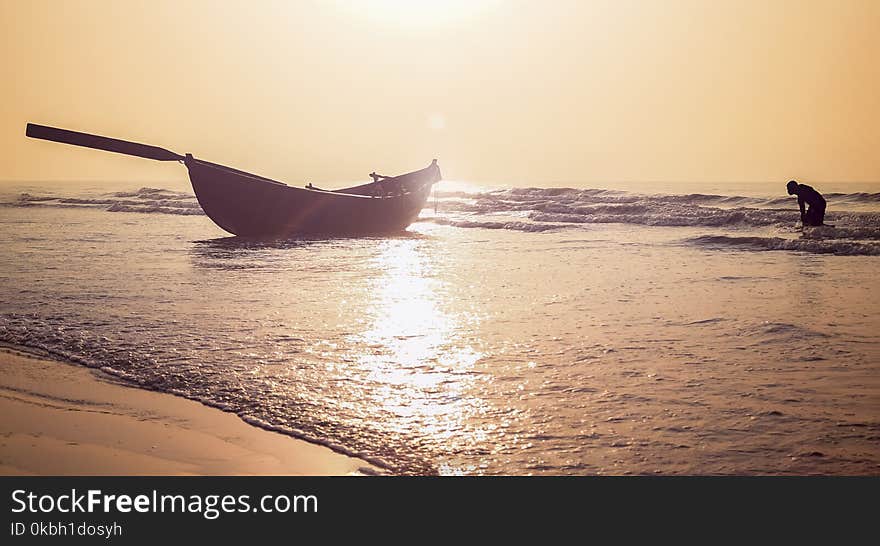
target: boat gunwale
<point>257,178</point>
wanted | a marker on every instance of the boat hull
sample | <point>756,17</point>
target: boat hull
<point>252,206</point>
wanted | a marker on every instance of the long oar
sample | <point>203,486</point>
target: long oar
<point>101,143</point>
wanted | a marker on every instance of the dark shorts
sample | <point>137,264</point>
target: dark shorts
<point>815,215</point>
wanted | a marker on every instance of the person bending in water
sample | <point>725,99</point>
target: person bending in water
<point>815,215</point>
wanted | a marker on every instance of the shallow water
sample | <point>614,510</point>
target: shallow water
<point>515,331</point>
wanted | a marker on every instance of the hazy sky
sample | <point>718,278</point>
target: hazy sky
<point>539,92</point>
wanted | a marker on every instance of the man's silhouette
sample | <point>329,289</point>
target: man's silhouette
<point>815,215</point>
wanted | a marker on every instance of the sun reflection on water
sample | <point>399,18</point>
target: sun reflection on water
<point>422,374</point>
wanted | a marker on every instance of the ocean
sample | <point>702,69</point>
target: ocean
<point>509,331</point>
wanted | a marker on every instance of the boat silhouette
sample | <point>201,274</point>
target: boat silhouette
<point>253,206</point>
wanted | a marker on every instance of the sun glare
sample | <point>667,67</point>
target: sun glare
<point>416,13</point>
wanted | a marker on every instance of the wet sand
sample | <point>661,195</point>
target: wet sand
<point>61,419</point>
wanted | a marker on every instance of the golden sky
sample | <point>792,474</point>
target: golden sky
<point>531,92</point>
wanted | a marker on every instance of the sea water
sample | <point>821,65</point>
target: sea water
<point>512,331</point>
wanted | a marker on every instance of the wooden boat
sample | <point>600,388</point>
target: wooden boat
<point>248,205</point>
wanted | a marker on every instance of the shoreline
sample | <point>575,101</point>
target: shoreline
<point>60,418</point>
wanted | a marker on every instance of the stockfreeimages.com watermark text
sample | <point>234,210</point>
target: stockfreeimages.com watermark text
<point>209,506</point>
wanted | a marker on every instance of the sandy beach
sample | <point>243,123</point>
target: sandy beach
<point>61,419</point>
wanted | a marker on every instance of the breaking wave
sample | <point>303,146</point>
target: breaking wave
<point>595,206</point>
<point>512,225</point>
<point>539,206</point>
<point>835,232</point>
<point>144,200</point>
<point>536,210</point>
<point>816,246</point>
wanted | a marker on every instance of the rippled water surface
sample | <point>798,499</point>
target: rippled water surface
<point>514,331</point>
